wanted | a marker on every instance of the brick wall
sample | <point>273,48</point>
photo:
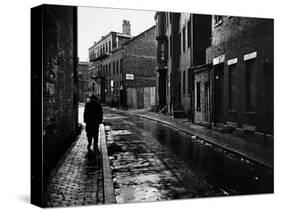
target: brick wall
<point>60,91</point>
<point>140,59</point>
<point>235,37</point>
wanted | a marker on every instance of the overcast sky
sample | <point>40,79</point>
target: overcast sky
<point>96,22</point>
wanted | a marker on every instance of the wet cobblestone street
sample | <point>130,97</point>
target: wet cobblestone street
<point>144,170</point>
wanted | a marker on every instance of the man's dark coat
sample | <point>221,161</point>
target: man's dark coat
<point>92,115</point>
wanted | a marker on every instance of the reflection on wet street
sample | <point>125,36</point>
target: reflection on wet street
<point>153,162</point>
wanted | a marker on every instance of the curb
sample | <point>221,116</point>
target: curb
<point>108,188</point>
<point>209,140</point>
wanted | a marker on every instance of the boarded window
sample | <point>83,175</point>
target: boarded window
<point>198,102</point>
<point>250,85</point>
<point>231,86</point>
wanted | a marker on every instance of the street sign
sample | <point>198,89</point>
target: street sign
<point>129,77</point>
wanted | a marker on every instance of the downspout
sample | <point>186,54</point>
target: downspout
<point>191,65</point>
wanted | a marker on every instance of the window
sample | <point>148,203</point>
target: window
<point>250,86</point>
<point>231,86</point>
<point>106,47</point>
<point>121,65</point>
<point>113,67</point>
<point>162,52</point>
<point>218,19</point>
<point>117,67</point>
<point>183,84</point>
<point>109,46</point>
<point>170,46</point>
<point>183,39</point>
<point>198,103</point>
<point>109,68</point>
<point>189,34</point>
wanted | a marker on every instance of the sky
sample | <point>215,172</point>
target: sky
<point>96,22</point>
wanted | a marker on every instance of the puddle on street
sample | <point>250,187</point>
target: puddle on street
<point>227,171</point>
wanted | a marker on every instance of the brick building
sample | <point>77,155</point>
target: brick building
<point>54,90</point>
<point>168,51</point>
<point>181,45</point>
<point>125,69</point>
<point>208,68</point>
<point>84,75</point>
<point>242,73</point>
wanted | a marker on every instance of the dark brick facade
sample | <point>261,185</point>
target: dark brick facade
<point>54,28</point>
<point>139,59</point>
<point>60,91</point>
<point>233,38</point>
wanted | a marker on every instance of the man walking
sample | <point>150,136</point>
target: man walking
<point>93,116</point>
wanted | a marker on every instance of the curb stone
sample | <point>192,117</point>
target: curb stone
<point>108,188</point>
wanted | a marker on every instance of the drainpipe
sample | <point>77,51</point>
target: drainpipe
<point>191,65</point>
<point>210,96</point>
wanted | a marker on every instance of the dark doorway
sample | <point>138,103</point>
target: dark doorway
<point>162,88</point>
<point>206,100</point>
<point>218,93</point>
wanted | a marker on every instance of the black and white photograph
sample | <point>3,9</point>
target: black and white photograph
<point>131,106</point>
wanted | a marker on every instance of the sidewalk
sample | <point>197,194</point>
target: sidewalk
<point>249,149</point>
<point>81,178</point>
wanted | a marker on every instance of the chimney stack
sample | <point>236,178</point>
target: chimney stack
<point>126,27</point>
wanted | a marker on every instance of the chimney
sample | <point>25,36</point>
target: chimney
<point>126,27</point>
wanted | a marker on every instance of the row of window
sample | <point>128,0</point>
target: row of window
<point>112,88</point>
<point>101,50</point>
<point>186,37</point>
<point>250,86</point>
<point>186,34</point>
<point>110,69</point>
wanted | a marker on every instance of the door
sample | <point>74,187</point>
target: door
<point>206,100</point>
<point>219,93</point>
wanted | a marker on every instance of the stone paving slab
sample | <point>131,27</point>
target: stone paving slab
<point>78,179</point>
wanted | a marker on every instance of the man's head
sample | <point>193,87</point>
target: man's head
<point>93,98</point>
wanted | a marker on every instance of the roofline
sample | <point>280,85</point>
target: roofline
<point>83,63</point>
<point>119,34</point>
<point>139,35</point>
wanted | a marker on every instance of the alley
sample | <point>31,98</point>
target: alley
<point>153,162</point>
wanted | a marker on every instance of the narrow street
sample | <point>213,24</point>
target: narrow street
<point>148,161</point>
<point>153,162</point>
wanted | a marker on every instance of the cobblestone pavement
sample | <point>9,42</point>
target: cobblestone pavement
<point>78,179</point>
<point>144,170</point>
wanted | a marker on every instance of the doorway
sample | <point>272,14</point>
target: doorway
<point>219,93</point>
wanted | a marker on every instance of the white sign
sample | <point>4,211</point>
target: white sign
<point>232,61</point>
<point>250,56</point>
<point>129,77</point>
<point>219,59</point>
